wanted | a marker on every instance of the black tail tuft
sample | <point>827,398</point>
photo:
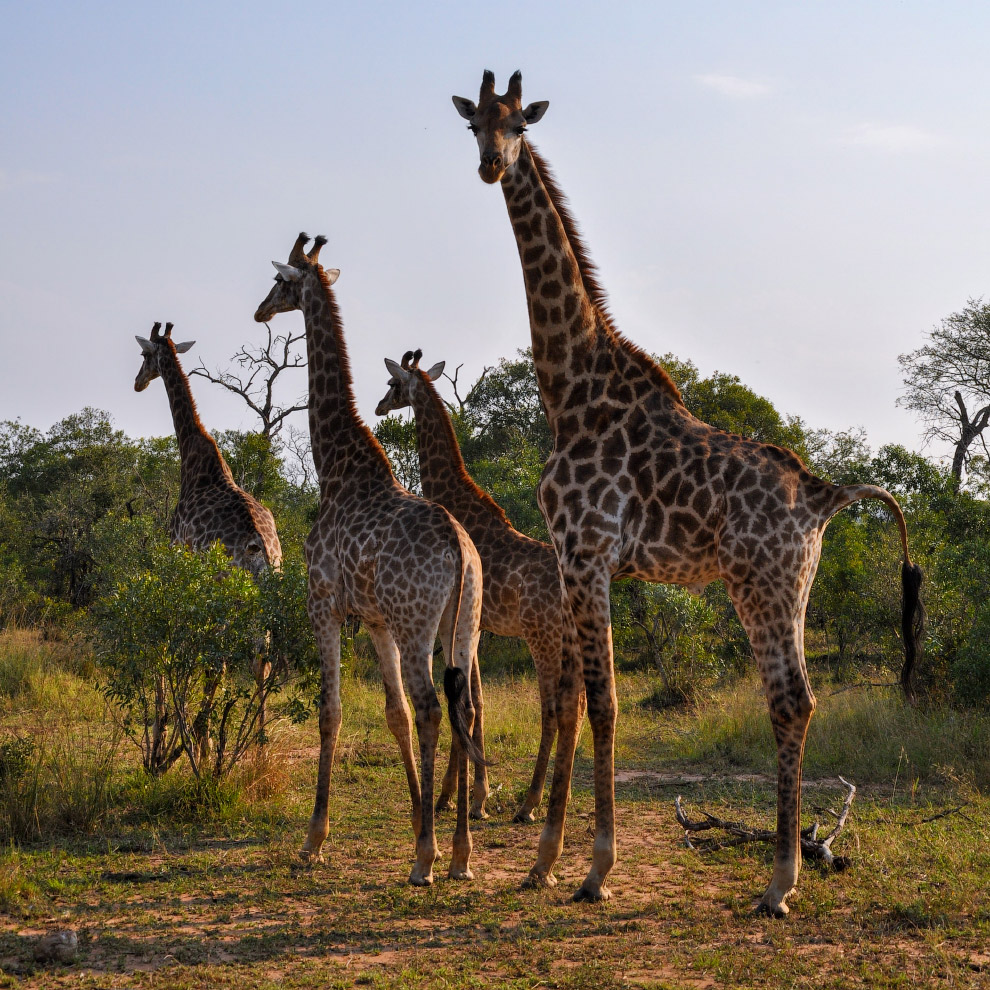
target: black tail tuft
<point>912,624</point>
<point>454,687</point>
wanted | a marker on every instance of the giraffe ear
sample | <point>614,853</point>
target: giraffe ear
<point>287,272</point>
<point>436,371</point>
<point>396,370</point>
<point>535,111</point>
<point>465,107</point>
<point>182,348</point>
<point>147,347</point>
<point>332,274</point>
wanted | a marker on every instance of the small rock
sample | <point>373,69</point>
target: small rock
<point>57,947</point>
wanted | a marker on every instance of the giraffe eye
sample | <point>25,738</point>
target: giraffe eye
<point>521,129</point>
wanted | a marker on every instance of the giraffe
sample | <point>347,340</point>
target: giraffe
<point>401,564</point>
<point>521,588</point>
<point>211,505</point>
<point>638,487</point>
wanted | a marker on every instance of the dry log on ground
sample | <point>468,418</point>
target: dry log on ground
<point>812,846</point>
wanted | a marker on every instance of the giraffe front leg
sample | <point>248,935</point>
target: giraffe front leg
<point>327,630</point>
<point>588,596</point>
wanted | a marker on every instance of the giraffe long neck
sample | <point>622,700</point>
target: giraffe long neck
<point>566,308</point>
<point>200,458</point>
<point>575,346</point>
<point>343,446</point>
<point>441,465</point>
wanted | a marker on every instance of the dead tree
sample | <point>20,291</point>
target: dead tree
<point>262,367</point>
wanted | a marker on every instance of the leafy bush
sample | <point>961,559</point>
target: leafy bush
<point>177,643</point>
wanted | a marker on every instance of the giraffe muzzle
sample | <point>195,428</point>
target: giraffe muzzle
<point>492,168</point>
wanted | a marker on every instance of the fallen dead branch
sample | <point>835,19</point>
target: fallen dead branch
<point>812,846</point>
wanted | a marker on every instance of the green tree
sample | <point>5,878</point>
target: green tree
<point>947,381</point>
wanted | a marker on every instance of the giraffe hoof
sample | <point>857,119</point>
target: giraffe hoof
<point>478,814</point>
<point>421,879</point>
<point>460,873</point>
<point>536,880</point>
<point>442,805</point>
<point>310,856</point>
<point>591,895</point>
<point>522,817</point>
<point>779,910</point>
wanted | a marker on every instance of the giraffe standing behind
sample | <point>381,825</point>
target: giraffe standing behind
<point>638,487</point>
<point>211,505</point>
<point>403,565</point>
<point>521,585</point>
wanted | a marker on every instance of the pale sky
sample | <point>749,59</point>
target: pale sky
<point>791,192</point>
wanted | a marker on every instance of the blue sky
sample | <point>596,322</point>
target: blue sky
<point>793,193</point>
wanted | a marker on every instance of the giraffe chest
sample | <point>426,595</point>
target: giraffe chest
<point>648,507</point>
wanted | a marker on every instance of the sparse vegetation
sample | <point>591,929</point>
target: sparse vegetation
<point>192,878</point>
<point>196,882</point>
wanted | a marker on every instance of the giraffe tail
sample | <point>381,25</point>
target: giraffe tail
<point>455,688</point>
<point>912,608</point>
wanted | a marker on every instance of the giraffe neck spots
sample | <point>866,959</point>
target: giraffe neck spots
<point>199,456</point>
<point>341,441</point>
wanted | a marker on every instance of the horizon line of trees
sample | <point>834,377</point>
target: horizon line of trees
<point>69,497</point>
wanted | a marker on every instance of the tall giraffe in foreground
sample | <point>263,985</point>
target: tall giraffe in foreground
<point>638,487</point>
<point>403,565</point>
<point>211,505</point>
<point>521,587</point>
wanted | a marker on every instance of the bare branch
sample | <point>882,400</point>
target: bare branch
<point>811,845</point>
<point>463,403</point>
<point>263,366</point>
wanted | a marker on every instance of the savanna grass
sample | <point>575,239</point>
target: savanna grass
<point>184,889</point>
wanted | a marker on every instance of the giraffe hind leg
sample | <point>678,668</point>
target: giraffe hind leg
<point>397,714</point>
<point>778,645</point>
<point>327,631</point>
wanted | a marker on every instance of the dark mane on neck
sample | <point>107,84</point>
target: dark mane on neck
<point>197,423</point>
<point>589,278</point>
<point>446,424</point>
<point>344,362</point>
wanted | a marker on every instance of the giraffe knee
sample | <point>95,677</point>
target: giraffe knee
<point>330,719</point>
<point>428,717</point>
<point>397,720</point>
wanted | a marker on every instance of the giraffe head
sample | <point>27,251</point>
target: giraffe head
<point>290,282</point>
<point>499,123</point>
<point>153,350</point>
<point>404,380</point>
